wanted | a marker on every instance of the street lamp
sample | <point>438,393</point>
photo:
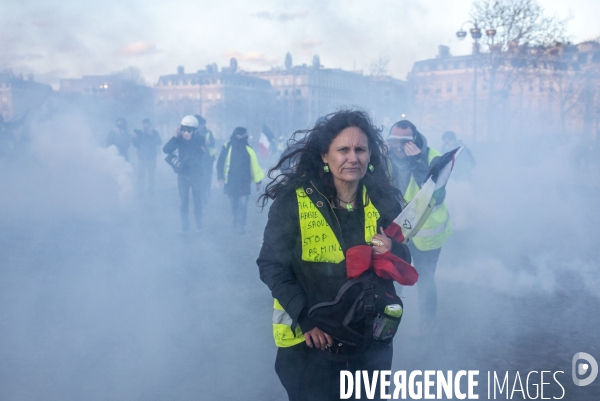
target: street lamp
<point>476,35</point>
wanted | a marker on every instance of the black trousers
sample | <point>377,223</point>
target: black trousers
<point>425,262</point>
<point>309,375</point>
<point>185,183</point>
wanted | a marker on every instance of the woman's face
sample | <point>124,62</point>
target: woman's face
<point>348,155</point>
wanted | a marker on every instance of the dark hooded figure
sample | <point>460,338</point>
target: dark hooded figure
<point>237,169</point>
<point>120,137</point>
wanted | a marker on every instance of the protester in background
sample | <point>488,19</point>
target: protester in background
<point>411,160</point>
<point>147,141</point>
<point>338,198</point>
<point>187,163</point>
<point>209,157</point>
<point>120,138</point>
<point>464,164</point>
<point>237,168</point>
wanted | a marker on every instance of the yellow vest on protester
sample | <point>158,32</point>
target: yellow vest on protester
<point>437,227</point>
<point>211,149</point>
<point>255,169</point>
<point>319,244</point>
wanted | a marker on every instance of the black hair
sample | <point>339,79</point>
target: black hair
<point>201,121</point>
<point>241,131</point>
<point>314,143</point>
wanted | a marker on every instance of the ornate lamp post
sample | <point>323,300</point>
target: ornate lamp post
<point>476,35</point>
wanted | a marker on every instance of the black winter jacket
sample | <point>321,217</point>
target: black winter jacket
<point>146,144</point>
<point>190,153</point>
<point>297,284</point>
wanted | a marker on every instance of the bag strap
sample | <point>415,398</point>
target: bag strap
<point>369,301</point>
<point>339,296</point>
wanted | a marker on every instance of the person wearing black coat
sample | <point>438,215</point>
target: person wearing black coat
<point>190,151</point>
<point>338,199</point>
<point>120,137</point>
<point>147,141</point>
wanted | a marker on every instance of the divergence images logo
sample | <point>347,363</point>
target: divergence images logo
<point>581,368</point>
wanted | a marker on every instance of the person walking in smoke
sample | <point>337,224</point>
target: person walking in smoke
<point>326,211</point>
<point>237,168</point>
<point>120,138</point>
<point>209,157</point>
<point>147,141</point>
<point>464,165</point>
<point>411,160</point>
<point>187,163</point>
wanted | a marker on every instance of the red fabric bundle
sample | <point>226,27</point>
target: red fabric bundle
<point>360,258</point>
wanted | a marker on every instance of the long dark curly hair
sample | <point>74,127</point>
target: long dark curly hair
<point>304,156</point>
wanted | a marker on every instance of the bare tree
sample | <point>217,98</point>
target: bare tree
<point>523,35</point>
<point>380,66</point>
<point>131,73</point>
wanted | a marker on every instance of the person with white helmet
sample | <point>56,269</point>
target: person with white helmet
<point>186,151</point>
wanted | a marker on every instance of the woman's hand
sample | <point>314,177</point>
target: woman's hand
<point>317,338</point>
<point>382,238</point>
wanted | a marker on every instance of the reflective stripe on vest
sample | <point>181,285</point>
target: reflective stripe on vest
<point>319,244</point>
<point>282,328</point>
<point>255,169</point>
<point>437,228</point>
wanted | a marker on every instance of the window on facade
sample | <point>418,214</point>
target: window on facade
<point>210,96</point>
<point>285,92</point>
<point>218,95</point>
<point>459,86</point>
<point>449,87</point>
<point>298,81</point>
<point>286,81</point>
<point>438,89</point>
<point>298,92</point>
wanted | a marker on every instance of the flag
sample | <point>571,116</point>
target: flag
<point>413,216</point>
<point>263,145</point>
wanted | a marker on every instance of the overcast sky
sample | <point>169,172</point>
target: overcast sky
<point>67,39</point>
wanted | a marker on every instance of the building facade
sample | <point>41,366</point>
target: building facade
<point>226,99</point>
<point>19,95</point>
<point>492,96</point>
<point>305,93</point>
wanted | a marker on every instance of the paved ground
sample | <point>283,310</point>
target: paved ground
<point>115,305</point>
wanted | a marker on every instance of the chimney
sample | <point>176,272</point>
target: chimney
<point>180,70</point>
<point>443,51</point>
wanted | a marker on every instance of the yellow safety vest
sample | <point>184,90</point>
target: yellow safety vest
<point>211,149</point>
<point>255,169</point>
<point>437,227</point>
<point>319,244</point>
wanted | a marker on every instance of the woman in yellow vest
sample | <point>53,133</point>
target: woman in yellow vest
<point>237,168</point>
<point>339,195</point>
<point>411,160</point>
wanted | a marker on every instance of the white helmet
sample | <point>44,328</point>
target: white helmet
<point>189,121</point>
